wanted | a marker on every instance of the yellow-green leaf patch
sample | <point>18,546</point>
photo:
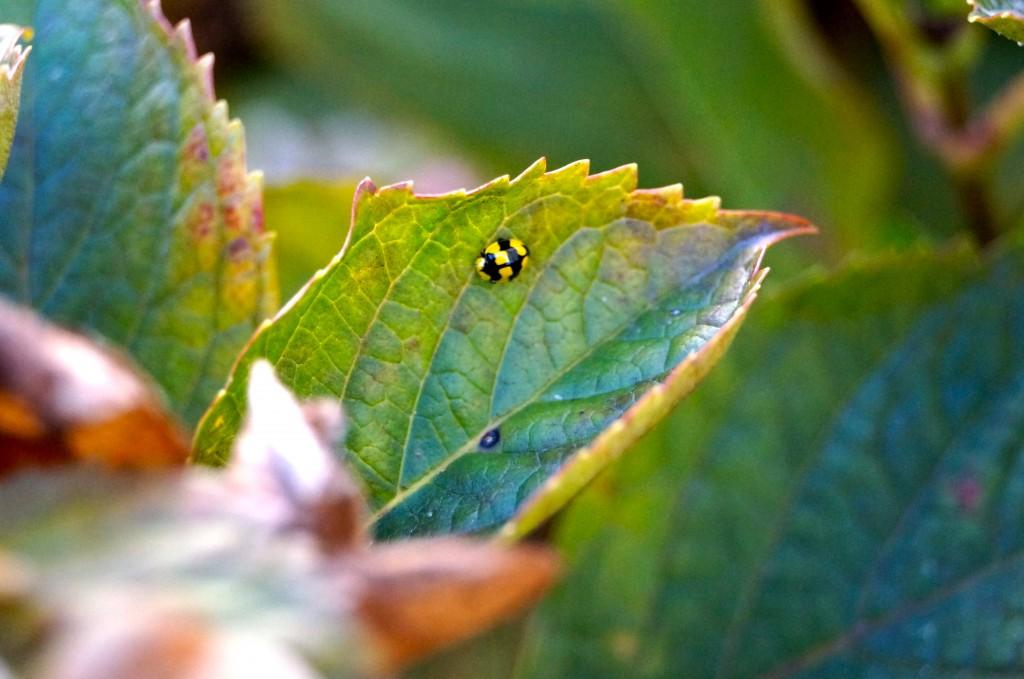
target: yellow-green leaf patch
<point>465,396</point>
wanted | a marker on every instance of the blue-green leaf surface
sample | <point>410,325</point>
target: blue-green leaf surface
<point>843,498</point>
<point>126,208</point>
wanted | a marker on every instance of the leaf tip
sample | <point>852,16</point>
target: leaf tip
<point>783,224</point>
<point>186,41</point>
<point>156,11</point>
<point>536,169</point>
<point>204,68</point>
<point>12,53</point>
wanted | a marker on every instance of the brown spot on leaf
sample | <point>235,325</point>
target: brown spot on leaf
<point>967,493</point>
<point>238,248</point>
<point>197,146</point>
<point>200,221</point>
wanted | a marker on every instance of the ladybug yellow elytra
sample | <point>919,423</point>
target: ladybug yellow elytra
<point>502,260</point>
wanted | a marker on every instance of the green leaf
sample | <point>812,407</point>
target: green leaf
<point>628,299</point>
<point>842,498</point>
<point>309,219</point>
<point>12,65</point>
<point>1002,16</point>
<point>659,82</point>
<point>126,208</point>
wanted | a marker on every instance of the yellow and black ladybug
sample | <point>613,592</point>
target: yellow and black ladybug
<point>502,260</point>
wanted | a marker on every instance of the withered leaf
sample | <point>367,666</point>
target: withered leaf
<point>64,397</point>
<point>421,595</point>
<point>261,569</point>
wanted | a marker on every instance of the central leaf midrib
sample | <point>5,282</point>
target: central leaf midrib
<point>470,444</point>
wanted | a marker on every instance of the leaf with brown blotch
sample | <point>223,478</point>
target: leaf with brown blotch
<point>65,398</point>
<point>262,569</point>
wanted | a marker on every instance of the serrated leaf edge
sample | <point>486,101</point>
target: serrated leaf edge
<point>367,191</point>
<point>250,195</point>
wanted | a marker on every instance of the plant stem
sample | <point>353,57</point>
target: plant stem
<point>933,84</point>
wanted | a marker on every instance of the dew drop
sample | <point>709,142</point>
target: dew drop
<point>558,397</point>
<point>676,312</point>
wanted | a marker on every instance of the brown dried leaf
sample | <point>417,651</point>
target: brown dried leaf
<point>418,596</point>
<point>64,398</point>
<point>263,569</point>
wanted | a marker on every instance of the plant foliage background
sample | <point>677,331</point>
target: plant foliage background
<point>841,496</point>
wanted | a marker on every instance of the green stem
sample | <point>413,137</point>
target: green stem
<point>933,82</point>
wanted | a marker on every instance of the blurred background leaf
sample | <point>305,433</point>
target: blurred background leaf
<point>311,219</point>
<point>661,84</point>
<point>781,104</point>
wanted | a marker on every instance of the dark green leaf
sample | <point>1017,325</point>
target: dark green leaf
<point>843,498</point>
<point>127,208</point>
<point>629,297</point>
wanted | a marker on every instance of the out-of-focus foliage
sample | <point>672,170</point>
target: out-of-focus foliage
<point>260,570</point>
<point>312,219</point>
<point>706,92</point>
<point>126,207</point>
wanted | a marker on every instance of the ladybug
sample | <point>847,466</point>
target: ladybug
<point>502,260</point>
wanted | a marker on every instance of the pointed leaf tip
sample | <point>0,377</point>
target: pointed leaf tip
<point>1002,16</point>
